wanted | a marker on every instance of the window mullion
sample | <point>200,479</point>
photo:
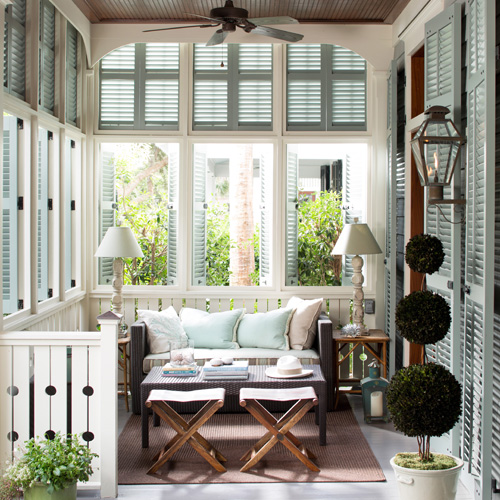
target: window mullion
<point>140,85</point>
<point>233,82</point>
<point>326,86</point>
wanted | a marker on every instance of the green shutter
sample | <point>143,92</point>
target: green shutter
<point>173,217</point>
<point>442,87</point>
<point>9,216</point>
<point>266,221</point>
<point>108,212</point>
<point>15,49</point>
<point>479,398</point>
<point>68,225</point>
<point>391,211</point>
<point>292,220</point>
<point>71,74</point>
<point>199,218</point>
<point>43,216</point>
<point>47,74</point>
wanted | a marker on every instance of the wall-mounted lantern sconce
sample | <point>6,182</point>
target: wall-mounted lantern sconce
<point>435,148</point>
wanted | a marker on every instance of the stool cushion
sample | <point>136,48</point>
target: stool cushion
<point>292,394</point>
<point>187,396</point>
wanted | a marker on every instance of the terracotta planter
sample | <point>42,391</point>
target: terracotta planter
<point>39,492</point>
<point>429,484</point>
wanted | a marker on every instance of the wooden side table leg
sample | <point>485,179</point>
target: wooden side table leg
<point>384,357</point>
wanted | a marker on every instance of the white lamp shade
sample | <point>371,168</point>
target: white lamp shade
<point>119,242</point>
<point>356,239</point>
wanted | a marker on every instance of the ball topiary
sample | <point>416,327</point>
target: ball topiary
<point>424,253</point>
<point>424,401</point>
<point>423,317</point>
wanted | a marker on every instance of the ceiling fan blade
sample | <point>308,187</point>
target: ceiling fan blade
<point>280,34</point>
<point>217,38</point>
<point>182,27</point>
<point>203,17</point>
<point>260,21</point>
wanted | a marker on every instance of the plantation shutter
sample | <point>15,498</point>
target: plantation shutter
<point>391,212</point>
<point>9,216</point>
<point>15,49</point>
<point>199,219</point>
<point>479,247</point>
<point>47,56</point>
<point>266,230</point>
<point>43,216</point>
<point>108,212</point>
<point>173,217</point>
<point>71,74</point>
<point>442,87</point>
<point>292,219</point>
<point>68,229</point>
<point>353,202</point>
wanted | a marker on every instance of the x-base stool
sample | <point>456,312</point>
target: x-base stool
<point>187,432</point>
<point>278,430</point>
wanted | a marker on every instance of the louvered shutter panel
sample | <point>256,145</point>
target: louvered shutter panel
<point>9,216</point>
<point>442,87</point>
<point>173,216</point>
<point>68,226</point>
<point>47,56</point>
<point>15,49</point>
<point>43,216</point>
<point>266,229</point>
<point>71,74</point>
<point>479,248</point>
<point>199,218</point>
<point>161,92</point>
<point>390,234</point>
<point>292,219</point>
<point>108,212</point>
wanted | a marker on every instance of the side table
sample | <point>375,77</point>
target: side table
<point>342,343</point>
<point>122,363</point>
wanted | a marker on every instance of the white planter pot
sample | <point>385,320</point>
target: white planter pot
<point>429,484</point>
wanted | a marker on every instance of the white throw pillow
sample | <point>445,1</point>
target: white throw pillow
<point>303,327</point>
<point>163,327</point>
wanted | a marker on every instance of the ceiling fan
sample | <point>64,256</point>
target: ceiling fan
<point>230,17</point>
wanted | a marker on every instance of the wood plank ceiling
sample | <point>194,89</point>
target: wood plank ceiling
<point>305,11</point>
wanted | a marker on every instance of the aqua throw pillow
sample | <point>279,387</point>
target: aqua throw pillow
<point>211,331</point>
<point>265,330</point>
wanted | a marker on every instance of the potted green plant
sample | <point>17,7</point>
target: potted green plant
<point>424,400</point>
<point>49,469</point>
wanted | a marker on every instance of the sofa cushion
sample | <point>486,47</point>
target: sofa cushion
<point>265,330</point>
<point>254,355</point>
<point>213,331</point>
<point>163,327</point>
<point>304,324</point>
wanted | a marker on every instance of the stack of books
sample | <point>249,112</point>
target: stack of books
<point>178,371</point>
<point>237,370</point>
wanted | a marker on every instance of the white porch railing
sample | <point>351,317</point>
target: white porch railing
<point>65,382</point>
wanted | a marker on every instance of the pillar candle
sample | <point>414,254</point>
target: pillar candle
<point>377,404</point>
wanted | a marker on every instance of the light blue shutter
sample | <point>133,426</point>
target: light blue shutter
<point>391,212</point>
<point>71,74</point>
<point>47,56</point>
<point>9,216</point>
<point>173,216</point>
<point>108,212</point>
<point>43,216</point>
<point>442,87</point>
<point>68,225</point>
<point>15,49</point>
<point>199,218</point>
<point>266,221</point>
<point>479,248</point>
<point>292,219</point>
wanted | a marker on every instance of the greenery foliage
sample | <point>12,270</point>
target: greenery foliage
<point>423,317</point>
<point>56,462</point>
<point>424,253</point>
<point>438,461</point>
<point>218,245</point>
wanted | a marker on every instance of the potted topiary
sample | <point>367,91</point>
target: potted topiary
<point>49,469</point>
<point>424,400</point>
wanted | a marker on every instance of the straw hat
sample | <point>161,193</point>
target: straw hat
<point>288,367</point>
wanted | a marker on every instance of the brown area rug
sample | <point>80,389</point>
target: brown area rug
<point>346,457</point>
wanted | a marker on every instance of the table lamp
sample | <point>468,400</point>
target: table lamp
<point>357,239</point>
<point>118,242</point>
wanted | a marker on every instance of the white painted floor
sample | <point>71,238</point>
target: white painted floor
<point>383,439</point>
